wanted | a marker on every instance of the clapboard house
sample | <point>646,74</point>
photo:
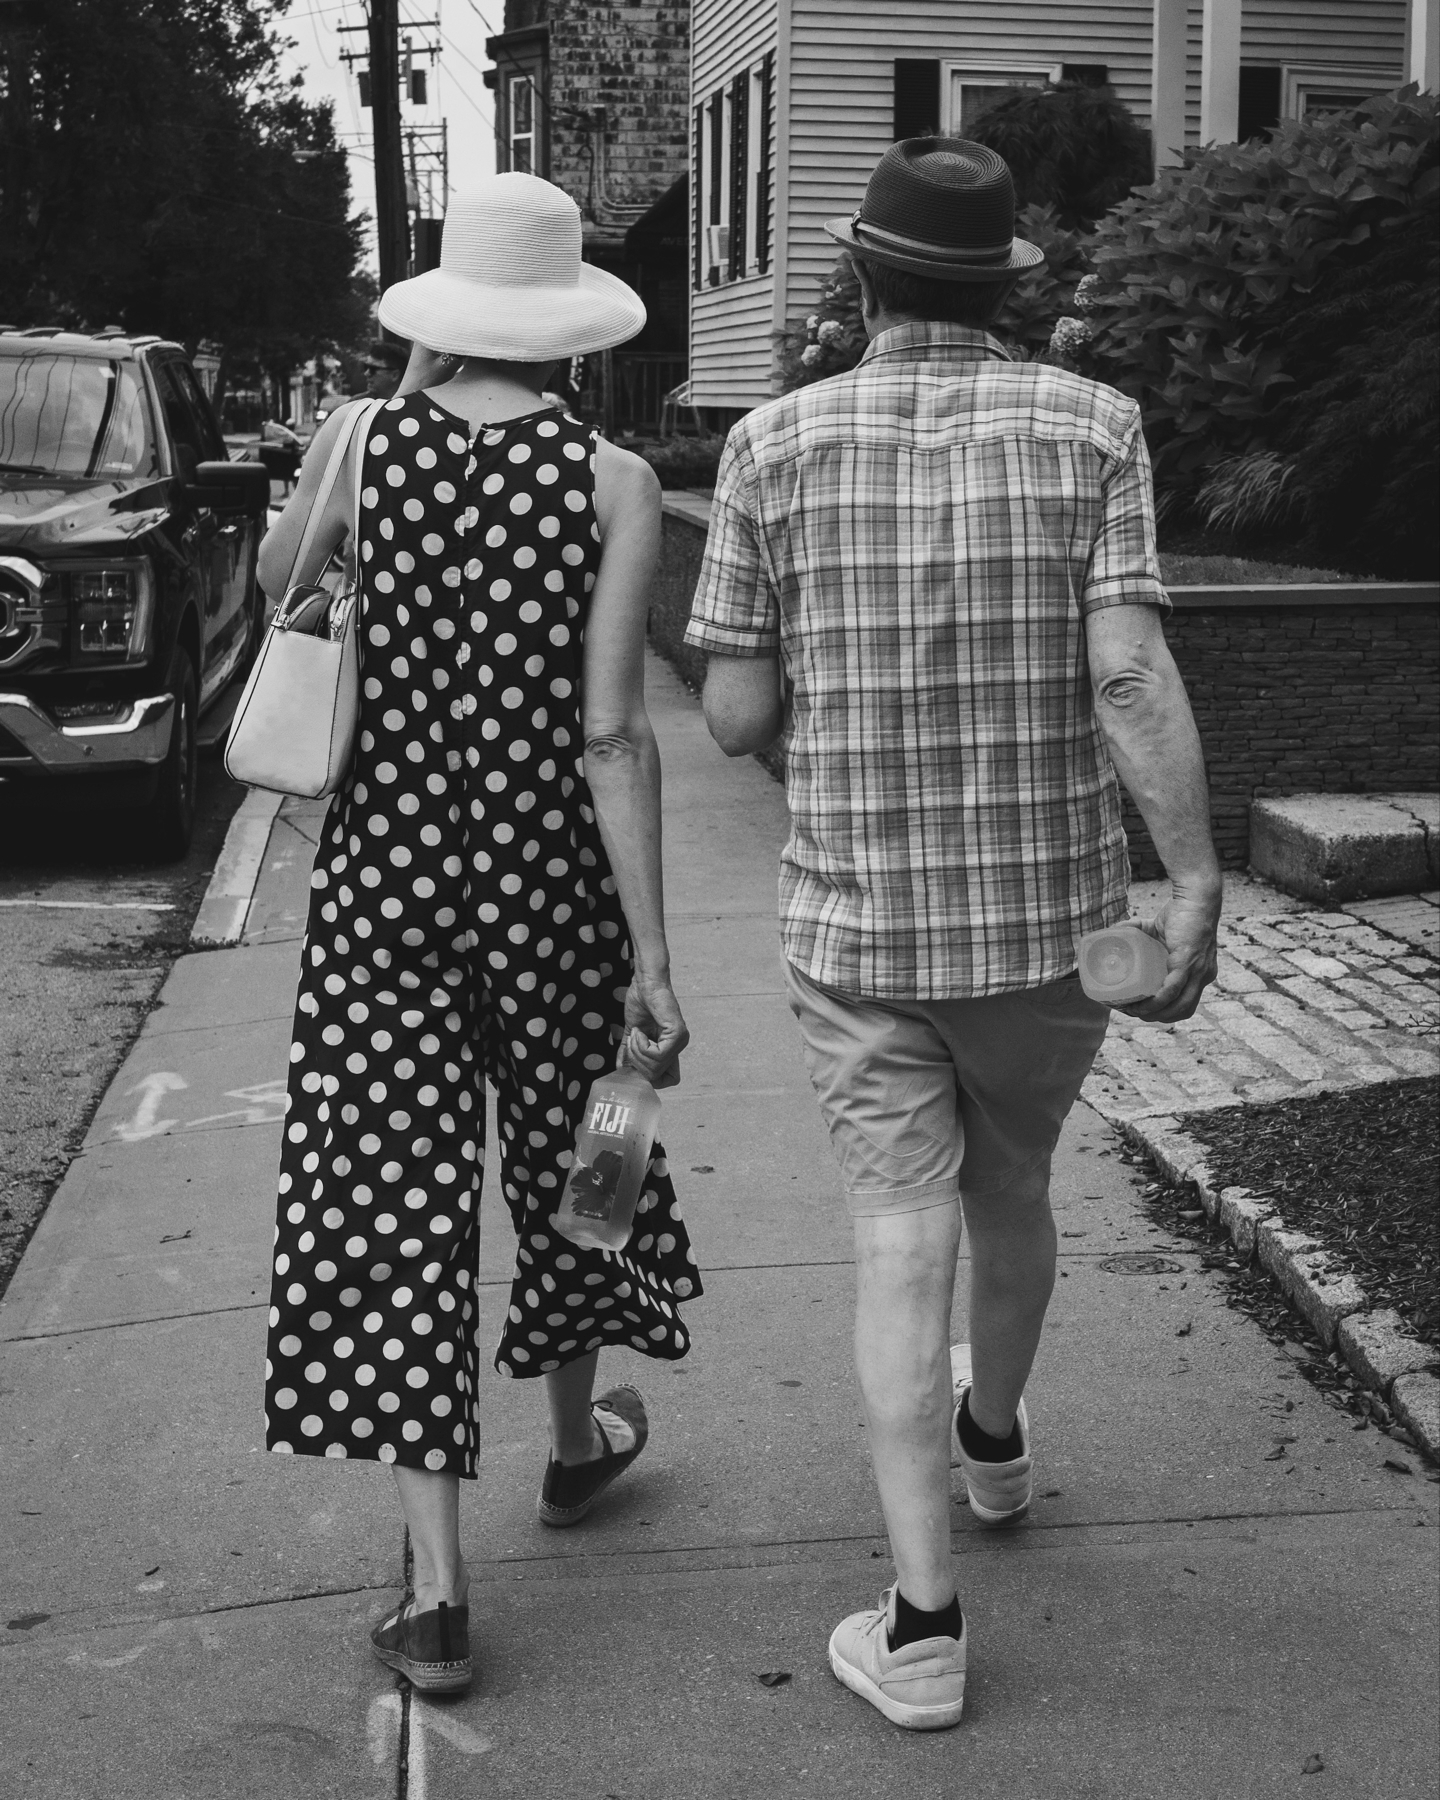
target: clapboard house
<point>794,101</point>
<point>597,99</point>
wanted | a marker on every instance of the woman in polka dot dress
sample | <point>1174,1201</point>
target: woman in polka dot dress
<point>486,903</point>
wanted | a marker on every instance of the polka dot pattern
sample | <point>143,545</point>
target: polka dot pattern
<point>463,923</point>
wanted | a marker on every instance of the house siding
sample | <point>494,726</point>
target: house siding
<point>731,359</point>
<point>834,100</point>
<point>841,93</point>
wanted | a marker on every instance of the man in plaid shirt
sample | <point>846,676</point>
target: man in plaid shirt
<point>936,577</point>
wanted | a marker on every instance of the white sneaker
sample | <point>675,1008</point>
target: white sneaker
<point>999,1492</point>
<point>921,1686</point>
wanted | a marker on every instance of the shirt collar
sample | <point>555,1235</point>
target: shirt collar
<point>929,338</point>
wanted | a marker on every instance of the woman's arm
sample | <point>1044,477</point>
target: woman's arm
<point>277,552</point>
<point>622,760</point>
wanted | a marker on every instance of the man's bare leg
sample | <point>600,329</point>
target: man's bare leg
<point>905,1289</point>
<point>1012,1275</point>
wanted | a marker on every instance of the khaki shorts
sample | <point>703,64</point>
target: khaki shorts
<point>924,1098</point>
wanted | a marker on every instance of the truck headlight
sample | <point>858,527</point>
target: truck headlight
<point>113,608</point>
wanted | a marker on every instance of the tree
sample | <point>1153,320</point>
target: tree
<point>156,171</point>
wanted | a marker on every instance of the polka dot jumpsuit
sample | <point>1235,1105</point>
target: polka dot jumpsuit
<point>463,923</point>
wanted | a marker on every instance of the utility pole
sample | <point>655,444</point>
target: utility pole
<point>392,222</point>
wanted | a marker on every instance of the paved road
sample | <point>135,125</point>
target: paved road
<point>88,931</point>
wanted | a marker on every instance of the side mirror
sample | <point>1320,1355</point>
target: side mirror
<point>231,486</point>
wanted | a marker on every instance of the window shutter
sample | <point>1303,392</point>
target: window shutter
<point>762,180</point>
<point>1259,102</point>
<point>716,172</point>
<point>1096,75</point>
<point>697,194</point>
<point>739,170</point>
<point>917,97</point>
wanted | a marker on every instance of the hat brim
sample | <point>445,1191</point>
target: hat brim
<point>1022,256</point>
<point>513,323</point>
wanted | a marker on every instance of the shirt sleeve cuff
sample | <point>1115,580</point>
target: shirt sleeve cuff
<point>730,640</point>
<point>1101,594</point>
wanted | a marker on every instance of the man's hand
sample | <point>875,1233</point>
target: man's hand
<point>656,1031</point>
<point>1185,925</point>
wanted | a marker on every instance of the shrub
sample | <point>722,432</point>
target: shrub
<point>1359,432</point>
<point>1190,268</point>
<point>682,462</point>
<point>827,341</point>
<point>1077,150</point>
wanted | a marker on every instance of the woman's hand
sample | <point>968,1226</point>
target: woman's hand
<point>656,1032</point>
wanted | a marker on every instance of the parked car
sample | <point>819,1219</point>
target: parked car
<point>128,598</point>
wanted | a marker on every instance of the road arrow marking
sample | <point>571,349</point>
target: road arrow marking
<point>146,1123</point>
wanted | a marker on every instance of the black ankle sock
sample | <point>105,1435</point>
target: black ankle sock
<point>911,1625</point>
<point>980,1445</point>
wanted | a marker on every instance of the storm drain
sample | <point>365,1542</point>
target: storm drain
<point>1138,1262</point>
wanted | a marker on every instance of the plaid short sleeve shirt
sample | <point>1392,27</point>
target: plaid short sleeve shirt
<point>920,541</point>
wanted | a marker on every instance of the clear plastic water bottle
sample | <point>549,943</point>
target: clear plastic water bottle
<point>1122,963</point>
<point>612,1152</point>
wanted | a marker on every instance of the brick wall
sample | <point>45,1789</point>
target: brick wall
<point>1291,700</point>
<point>633,60</point>
<point>1322,699</point>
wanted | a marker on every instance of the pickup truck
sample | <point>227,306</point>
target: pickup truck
<point>128,600</point>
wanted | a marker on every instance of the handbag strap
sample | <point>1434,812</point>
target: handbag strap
<point>365,411</point>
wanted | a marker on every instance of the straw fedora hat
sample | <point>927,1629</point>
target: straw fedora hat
<point>511,284</point>
<point>940,207</point>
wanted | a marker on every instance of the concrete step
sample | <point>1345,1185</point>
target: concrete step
<point>1336,847</point>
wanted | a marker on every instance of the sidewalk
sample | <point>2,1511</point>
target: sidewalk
<point>1187,1615</point>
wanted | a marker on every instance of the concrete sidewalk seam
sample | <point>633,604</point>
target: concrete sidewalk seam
<point>204,1312</point>
<point>1314,1281</point>
<point>222,914</point>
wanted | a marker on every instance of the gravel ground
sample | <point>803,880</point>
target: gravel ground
<point>1359,1171</point>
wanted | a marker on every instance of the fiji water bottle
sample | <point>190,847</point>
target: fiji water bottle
<point>612,1152</point>
<point>1121,963</point>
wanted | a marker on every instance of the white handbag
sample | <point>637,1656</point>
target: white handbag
<point>294,729</point>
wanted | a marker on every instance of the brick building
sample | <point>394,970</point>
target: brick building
<point>596,98</point>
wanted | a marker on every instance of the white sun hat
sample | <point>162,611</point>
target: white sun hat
<point>511,284</point>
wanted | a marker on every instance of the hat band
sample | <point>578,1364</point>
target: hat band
<point>950,253</point>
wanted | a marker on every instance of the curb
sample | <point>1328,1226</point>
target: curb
<point>222,914</point>
<point>1400,1370</point>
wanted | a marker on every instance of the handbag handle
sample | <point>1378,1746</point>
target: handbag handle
<point>338,452</point>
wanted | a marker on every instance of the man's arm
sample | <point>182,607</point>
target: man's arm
<point>743,705</point>
<point>1145,714</point>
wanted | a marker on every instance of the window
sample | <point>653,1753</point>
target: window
<point>520,108</point>
<point>732,199</point>
<point>74,416</point>
<point>1317,88</point>
<point>968,91</point>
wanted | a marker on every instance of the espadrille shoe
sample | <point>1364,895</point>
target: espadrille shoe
<point>569,1491</point>
<point>431,1649</point>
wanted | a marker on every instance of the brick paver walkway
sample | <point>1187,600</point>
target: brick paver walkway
<point>1305,1003</point>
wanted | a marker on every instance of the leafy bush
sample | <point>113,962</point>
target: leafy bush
<point>682,462</point>
<point>1191,268</point>
<point>827,341</point>
<point>1358,434</point>
<point>1077,150</point>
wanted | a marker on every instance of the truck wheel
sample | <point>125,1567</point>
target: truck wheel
<point>172,813</point>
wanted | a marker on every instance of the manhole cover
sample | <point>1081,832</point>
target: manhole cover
<point>1138,1262</point>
